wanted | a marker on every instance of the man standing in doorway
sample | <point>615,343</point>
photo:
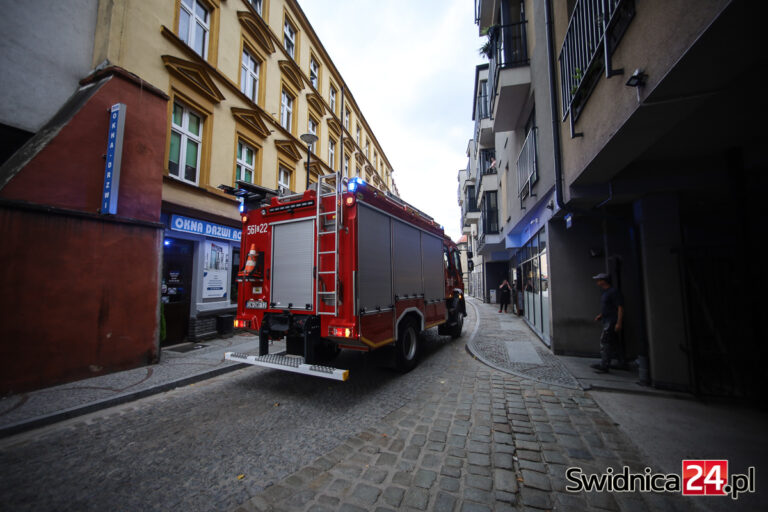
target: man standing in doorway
<point>612,317</point>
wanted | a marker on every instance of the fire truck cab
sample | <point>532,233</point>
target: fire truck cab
<point>342,265</point>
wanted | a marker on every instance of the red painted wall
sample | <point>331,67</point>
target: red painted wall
<point>79,298</point>
<point>69,171</point>
<point>79,294</point>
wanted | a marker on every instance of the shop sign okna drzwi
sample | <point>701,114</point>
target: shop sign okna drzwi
<point>203,228</point>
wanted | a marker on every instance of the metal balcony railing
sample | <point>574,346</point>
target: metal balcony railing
<point>594,30</point>
<point>470,201</point>
<point>508,48</point>
<point>527,165</point>
<point>464,211</point>
<point>489,220</point>
<point>483,106</point>
<point>485,162</point>
<point>482,111</point>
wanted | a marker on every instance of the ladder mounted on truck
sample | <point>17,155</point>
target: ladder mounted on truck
<point>327,225</point>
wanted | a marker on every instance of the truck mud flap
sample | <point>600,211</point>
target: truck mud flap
<point>289,364</point>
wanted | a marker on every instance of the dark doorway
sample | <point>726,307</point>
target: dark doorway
<point>233,275</point>
<point>495,274</point>
<point>176,289</point>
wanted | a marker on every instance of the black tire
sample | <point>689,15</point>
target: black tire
<point>458,326</point>
<point>406,347</point>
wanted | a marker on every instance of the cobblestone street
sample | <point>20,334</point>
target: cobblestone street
<point>476,439</point>
<point>208,446</point>
<point>454,434</point>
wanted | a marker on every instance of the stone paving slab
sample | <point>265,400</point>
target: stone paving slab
<point>522,352</point>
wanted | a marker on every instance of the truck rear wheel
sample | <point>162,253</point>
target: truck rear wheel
<point>406,347</point>
<point>458,326</point>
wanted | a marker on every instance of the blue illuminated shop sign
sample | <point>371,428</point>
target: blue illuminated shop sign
<point>111,189</point>
<point>201,227</point>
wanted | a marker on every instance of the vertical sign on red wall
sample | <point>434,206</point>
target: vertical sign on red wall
<point>114,157</point>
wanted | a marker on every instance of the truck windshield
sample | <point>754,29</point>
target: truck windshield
<point>457,261</point>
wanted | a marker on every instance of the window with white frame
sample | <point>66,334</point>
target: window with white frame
<point>346,165</point>
<point>331,153</point>
<point>357,137</point>
<point>289,39</point>
<point>368,149</point>
<point>312,128</point>
<point>256,4</point>
<point>314,72</point>
<point>284,181</point>
<point>186,143</point>
<point>246,162</point>
<point>332,99</point>
<point>286,110</point>
<point>194,26</point>
<point>346,118</point>
<point>249,77</point>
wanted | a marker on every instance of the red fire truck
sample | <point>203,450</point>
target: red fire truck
<point>342,266</point>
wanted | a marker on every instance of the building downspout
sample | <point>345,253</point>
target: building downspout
<point>553,106</point>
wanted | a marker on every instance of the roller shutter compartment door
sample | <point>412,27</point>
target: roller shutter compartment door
<point>292,261</point>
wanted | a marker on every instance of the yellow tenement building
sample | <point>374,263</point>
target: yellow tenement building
<point>245,79</point>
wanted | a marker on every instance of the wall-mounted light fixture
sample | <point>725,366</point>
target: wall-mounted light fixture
<point>637,79</point>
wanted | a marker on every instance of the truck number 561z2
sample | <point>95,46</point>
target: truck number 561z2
<point>256,229</point>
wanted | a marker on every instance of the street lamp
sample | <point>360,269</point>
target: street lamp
<point>309,138</point>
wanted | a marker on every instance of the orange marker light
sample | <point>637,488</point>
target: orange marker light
<point>350,200</point>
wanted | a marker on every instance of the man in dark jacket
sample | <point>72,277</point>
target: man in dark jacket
<point>612,317</point>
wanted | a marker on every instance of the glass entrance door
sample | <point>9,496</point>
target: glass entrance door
<point>176,289</point>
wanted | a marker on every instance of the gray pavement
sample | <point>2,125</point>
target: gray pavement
<point>180,365</point>
<point>507,344</point>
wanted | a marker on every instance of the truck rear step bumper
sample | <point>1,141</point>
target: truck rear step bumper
<point>289,364</point>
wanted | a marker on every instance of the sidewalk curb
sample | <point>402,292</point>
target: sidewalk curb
<point>49,419</point>
<point>476,354</point>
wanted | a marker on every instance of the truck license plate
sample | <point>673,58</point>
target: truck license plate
<point>256,304</point>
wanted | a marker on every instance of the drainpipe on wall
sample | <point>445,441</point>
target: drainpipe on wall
<point>553,105</point>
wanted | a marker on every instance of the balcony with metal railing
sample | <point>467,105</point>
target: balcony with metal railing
<point>488,229</point>
<point>483,122</point>
<point>594,31</point>
<point>487,170</point>
<point>487,162</point>
<point>467,199</point>
<point>470,213</point>
<point>509,73</point>
<point>527,166</point>
<point>484,10</point>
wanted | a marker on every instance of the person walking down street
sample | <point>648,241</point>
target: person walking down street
<point>506,290</point>
<point>519,297</point>
<point>612,317</point>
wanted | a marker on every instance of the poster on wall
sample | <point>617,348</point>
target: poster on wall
<point>215,283</point>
